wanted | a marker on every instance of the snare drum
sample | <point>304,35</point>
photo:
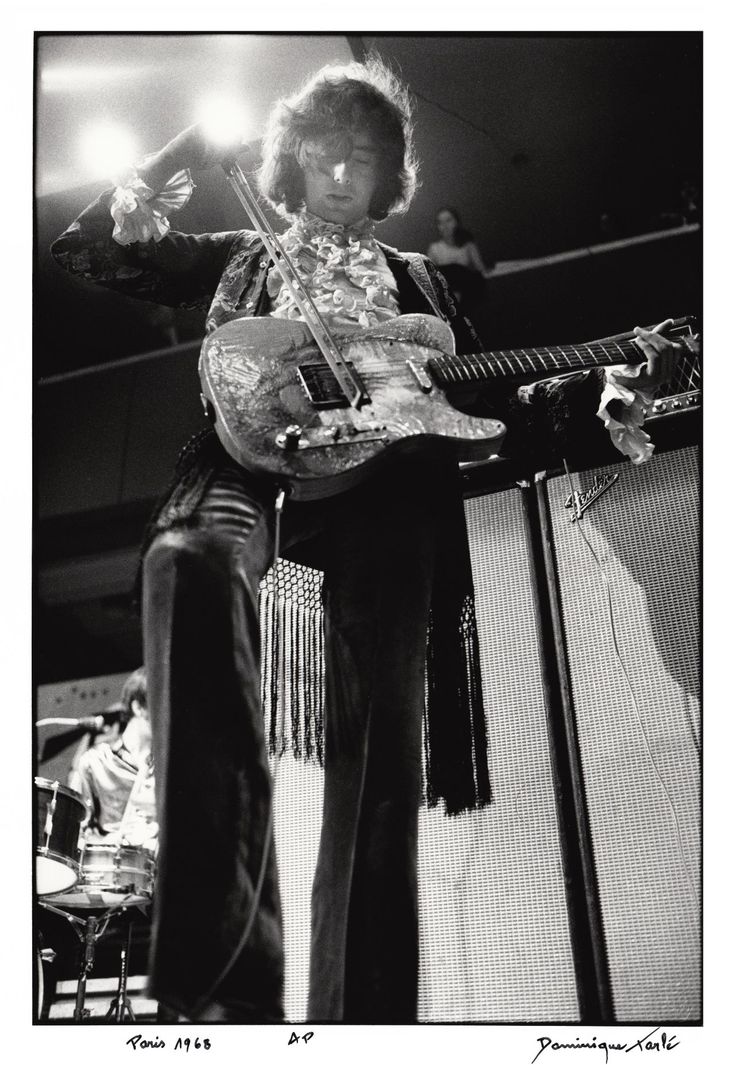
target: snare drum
<point>61,817</point>
<point>110,873</point>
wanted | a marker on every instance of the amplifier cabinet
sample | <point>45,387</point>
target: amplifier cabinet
<point>497,912</point>
<point>629,585</point>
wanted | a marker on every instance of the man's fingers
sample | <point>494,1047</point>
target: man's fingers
<point>663,326</point>
<point>660,353</point>
<point>653,337</point>
<point>653,342</point>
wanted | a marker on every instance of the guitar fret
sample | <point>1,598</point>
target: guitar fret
<point>633,351</point>
<point>529,359</point>
<point>451,370</point>
<point>437,367</point>
<point>508,362</point>
<point>564,354</point>
<point>469,362</point>
<point>462,367</point>
<point>521,364</point>
<point>480,369</point>
<point>604,351</point>
<point>490,365</point>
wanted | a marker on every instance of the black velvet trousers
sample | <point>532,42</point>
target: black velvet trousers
<point>377,545</point>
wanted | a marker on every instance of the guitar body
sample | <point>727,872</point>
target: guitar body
<point>275,403</point>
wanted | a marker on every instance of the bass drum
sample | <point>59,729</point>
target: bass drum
<point>62,816</point>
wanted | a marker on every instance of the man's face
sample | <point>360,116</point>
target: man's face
<point>143,718</point>
<point>339,185</point>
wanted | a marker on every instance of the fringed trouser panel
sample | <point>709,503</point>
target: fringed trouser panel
<point>202,651</point>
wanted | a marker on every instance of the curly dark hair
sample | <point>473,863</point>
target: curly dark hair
<point>334,104</point>
<point>135,687</point>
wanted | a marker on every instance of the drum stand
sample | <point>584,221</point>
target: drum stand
<point>120,1005</point>
<point>89,930</point>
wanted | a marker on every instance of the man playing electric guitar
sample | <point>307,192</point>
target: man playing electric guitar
<point>337,159</point>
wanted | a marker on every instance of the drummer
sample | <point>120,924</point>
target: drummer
<point>116,778</point>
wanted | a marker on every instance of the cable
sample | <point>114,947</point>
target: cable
<point>624,671</point>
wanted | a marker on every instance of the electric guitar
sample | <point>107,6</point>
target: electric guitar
<point>318,411</point>
<point>281,410</point>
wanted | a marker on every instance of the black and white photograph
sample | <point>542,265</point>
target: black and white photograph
<point>367,594</point>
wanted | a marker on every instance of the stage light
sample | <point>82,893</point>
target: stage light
<point>224,119</point>
<point>107,149</point>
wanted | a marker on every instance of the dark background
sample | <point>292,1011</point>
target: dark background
<point>544,143</point>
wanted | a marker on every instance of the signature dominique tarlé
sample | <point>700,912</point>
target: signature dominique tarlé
<point>650,1041</point>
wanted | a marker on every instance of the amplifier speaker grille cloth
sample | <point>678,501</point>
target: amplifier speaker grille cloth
<point>493,920</point>
<point>644,530</point>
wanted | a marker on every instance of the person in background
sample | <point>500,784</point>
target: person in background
<point>116,778</point>
<point>457,256</point>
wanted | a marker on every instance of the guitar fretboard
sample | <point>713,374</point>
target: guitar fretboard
<point>450,370</point>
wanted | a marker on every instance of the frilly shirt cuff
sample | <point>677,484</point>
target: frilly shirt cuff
<point>140,214</point>
<point>627,433</point>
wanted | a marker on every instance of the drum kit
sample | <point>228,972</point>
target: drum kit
<point>88,884</point>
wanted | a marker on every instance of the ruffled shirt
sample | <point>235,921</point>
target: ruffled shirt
<point>342,268</point>
<point>627,433</point>
<point>347,276</point>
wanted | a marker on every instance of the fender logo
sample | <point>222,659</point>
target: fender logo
<point>580,501</point>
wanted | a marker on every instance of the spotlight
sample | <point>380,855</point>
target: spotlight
<point>223,118</point>
<point>106,149</point>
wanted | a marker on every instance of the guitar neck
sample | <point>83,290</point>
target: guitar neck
<point>454,370</point>
<point>523,363</point>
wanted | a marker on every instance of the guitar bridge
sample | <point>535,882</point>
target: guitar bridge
<point>322,388</point>
<point>303,438</point>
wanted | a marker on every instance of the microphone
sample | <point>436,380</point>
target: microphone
<point>76,728</point>
<point>96,723</point>
<point>93,723</point>
<point>99,722</point>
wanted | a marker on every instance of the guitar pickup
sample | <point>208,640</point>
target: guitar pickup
<point>322,388</point>
<point>420,375</point>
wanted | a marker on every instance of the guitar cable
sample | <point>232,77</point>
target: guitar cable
<point>209,995</point>
<point>629,685</point>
